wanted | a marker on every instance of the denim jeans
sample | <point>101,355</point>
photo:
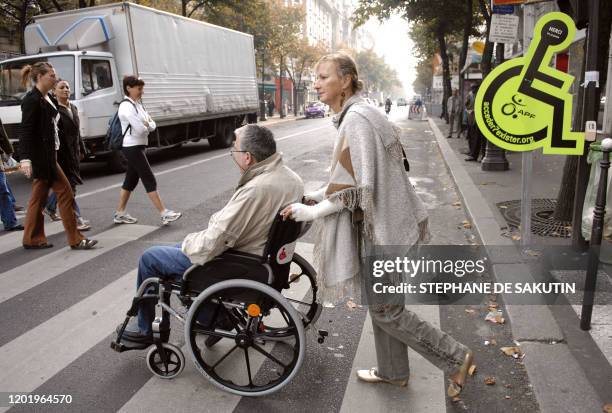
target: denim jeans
<point>167,262</point>
<point>7,203</point>
<point>52,203</point>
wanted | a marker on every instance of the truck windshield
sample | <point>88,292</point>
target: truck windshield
<point>11,91</point>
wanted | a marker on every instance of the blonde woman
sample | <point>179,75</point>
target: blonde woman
<point>368,180</point>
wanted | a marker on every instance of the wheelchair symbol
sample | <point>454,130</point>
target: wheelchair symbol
<point>524,104</point>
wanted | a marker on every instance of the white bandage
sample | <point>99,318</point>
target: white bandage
<point>317,196</point>
<point>301,212</point>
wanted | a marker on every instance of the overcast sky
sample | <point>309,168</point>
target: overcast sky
<point>394,45</point>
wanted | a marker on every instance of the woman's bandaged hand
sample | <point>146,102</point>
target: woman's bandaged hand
<point>316,196</point>
<point>300,212</point>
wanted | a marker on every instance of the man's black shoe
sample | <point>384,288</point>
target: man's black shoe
<point>132,333</point>
<point>17,227</point>
<point>470,159</point>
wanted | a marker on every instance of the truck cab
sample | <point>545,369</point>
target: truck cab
<point>94,83</point>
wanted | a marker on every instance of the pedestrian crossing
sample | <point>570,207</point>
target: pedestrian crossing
<point>38,358</point>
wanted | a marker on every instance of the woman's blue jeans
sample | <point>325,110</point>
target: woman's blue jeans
<point>7,203</point>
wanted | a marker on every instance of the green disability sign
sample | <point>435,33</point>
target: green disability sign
<point>524,103</point>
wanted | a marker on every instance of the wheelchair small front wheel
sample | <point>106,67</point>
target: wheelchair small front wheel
<point>166,366</point>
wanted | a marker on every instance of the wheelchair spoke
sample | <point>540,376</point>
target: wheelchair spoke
<point>248,364</point>
<point>297,301</point>
<point>224,357</point>
<point>285,317</point>
<point>268,355</point>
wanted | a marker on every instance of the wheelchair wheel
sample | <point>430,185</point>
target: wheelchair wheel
<point>171,367</point>
<point>242,362</point>
<point>302,294</point>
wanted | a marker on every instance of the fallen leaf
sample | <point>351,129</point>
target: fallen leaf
<point>503,207</point>
<point>533,253</point>
<point>350,304</point>
<point>489,381</point>
<point>469,311</point>
<point>472,370</point>
<point>516,237</point>
<point>507,397</point>
<point>457,204</point>
<point>466,224</point>
<point>493,342</point>
<point>456,399</point>
<point>511,351</point>
<point>495,316</point>
<point>508,386</point>
<point>607,408</point>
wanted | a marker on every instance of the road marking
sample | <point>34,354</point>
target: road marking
<point>189,165</point>
<point>32,358</point>
<point>425,391</point>
<point>14,239</point>
<point>33,273</point>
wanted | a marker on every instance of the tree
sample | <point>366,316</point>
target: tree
<point>286,24</point>
<point>375,73</point>
<point>300,61</point>
<point>17,14</point>
<point>437,17</point>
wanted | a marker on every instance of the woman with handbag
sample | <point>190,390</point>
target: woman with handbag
<point>7,202</point>
<point>72,150</point>
<point>369,185</point>
<point>38,147</point>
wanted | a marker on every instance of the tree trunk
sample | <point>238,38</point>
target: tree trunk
<point>23,16</point>
<point>184,7</point>
<point>467,28</point>
<point>567,191</point>
<point>487,55</point>
<point>446,80</point>
<point>281,110</point>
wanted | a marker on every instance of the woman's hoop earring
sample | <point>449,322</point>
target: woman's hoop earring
<point>343,95</point>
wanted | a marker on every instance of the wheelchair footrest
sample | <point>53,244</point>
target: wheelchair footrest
<point>125,345</point>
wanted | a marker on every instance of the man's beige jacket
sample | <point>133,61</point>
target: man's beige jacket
<point>243,224</point>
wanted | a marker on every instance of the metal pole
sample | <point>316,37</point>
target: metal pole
<point>495,157</point>
<point>596,234</point>
<point>590,110</point>
<point>262,105</point>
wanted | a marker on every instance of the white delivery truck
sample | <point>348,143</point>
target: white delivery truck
<point>200,78</point>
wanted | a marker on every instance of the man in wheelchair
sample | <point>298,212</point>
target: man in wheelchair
<point>265,186</point>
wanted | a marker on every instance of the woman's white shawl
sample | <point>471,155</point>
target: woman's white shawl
<point>372,179</point>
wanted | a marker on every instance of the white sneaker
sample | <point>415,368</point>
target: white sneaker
<point>169,216</point>
<point>124,218</point>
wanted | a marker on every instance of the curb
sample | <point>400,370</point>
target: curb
<point>559,383</point>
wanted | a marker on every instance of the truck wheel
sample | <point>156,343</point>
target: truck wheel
<point>117,162</point>
<point>224,137</point>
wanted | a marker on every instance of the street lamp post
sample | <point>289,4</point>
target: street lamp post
<point>262,100</point>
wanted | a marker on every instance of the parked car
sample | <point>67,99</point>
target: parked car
<point>401,102</point>
<point>315,110</point>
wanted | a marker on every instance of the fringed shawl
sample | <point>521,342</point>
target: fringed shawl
<point>368,178</point>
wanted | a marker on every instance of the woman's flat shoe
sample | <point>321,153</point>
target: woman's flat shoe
<point>456,385</point>
<point>371,376</point>
<point>83,227</point>
<point>38,247</point>
<point>52,214</point>
<point>85,244</point>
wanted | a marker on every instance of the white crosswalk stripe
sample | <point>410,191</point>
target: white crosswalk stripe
<point>13,240</point>
<point>33,273</point>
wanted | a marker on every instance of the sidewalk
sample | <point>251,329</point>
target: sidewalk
<point>569,368</point>
<point>274,119</point>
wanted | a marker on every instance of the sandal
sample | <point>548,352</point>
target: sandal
<point>84,244</point>
<point>456,385</point>
<point>37,247</point>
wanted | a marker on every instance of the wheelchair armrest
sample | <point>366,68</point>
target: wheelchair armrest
<point>228,255</point>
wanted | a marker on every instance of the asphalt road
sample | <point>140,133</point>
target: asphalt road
<point>198,181</point>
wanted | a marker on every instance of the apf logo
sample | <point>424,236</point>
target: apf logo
<point>510,108</point>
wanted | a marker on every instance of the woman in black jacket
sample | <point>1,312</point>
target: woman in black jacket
<point>38,144</point>
<point>71,151</point>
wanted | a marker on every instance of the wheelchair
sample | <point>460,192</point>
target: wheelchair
<point>244,326</point>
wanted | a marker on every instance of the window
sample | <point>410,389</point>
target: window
<point>96,75</point>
